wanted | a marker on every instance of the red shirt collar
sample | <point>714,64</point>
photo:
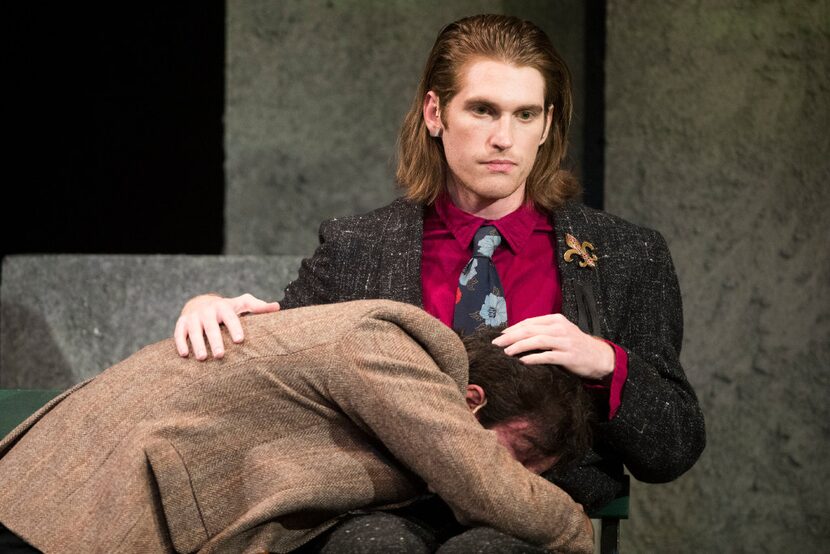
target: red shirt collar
<point>516,227</point>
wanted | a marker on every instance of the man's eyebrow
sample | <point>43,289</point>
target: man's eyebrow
<point>480,101</point>
<point>477,100</point>
<point>531,108</point>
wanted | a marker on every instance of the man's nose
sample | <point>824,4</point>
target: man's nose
<point>502,137</point>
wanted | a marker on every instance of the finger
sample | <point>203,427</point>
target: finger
<point>197,339</point>
<point>242,304</point>
<point>214,336</point>
<point>553,357</point>
<point>231,321</point>
<point>538,320</point>
<point>536,342</point>
<point>261,307</point>
<point>508,338</point>
<point>180,337</point>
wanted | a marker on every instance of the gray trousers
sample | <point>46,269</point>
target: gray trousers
<point>425,527</point>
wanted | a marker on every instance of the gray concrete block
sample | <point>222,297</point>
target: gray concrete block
<point>64,318</point>
<point>717,116</point>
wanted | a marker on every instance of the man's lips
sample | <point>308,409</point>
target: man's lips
<point>499,165</point>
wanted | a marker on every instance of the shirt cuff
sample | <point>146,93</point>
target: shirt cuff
<point>617,380</point>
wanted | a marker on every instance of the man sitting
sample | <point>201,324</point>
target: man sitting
<point>335,408</point>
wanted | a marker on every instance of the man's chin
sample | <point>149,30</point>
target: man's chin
<point>490,190</point>
<point>495,189</point>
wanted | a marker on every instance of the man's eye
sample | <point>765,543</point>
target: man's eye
<point>480,110</point>
<point>526,115</point>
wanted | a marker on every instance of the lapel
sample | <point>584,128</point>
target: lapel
<point>580,285</point>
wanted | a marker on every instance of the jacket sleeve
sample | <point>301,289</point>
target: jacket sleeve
<point>315,284</point>
<point>390,386</point>
<point>658,430</point>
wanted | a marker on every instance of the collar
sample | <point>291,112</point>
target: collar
<point>516,227</point>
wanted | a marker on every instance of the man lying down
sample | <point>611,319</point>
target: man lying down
<point>329,410</point>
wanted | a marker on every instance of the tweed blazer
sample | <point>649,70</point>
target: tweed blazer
<point>322,411</point>
<point>631,297</point>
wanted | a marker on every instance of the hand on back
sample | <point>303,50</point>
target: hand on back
<point>203,314</point>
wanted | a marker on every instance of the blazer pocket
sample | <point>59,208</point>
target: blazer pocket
<point>181,509</point>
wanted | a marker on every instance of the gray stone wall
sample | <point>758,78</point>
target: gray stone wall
<point>65,318</point>
<point>316,91</point>
<point>717,128</point>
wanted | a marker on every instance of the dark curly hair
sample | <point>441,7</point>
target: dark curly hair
<point>552,399</point>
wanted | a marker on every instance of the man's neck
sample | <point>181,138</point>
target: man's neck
<point>486,208</point>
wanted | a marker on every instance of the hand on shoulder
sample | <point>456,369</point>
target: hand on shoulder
<point>202,315</point>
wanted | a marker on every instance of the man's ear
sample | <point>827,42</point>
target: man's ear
<point>476,398</point>
<point>432,114</point>
<point>548,123</point>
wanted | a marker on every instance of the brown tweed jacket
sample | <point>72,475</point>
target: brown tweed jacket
<point>321,411</point>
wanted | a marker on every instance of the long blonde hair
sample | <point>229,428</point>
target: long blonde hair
<point>422,165</point>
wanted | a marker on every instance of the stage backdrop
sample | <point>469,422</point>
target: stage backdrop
<point>717,136</point>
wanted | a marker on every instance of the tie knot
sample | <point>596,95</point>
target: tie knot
<point>486,240</point>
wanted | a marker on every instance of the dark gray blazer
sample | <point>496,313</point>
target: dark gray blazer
<point>631,298</point>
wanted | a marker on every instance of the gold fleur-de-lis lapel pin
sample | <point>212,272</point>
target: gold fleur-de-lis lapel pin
<point>585,251</point>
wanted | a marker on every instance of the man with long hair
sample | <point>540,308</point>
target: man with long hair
<point>488,205</point>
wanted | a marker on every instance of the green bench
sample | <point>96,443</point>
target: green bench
<point>18,404</point>
<point>609,517</point>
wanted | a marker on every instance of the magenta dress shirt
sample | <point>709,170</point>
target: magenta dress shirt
<point>526,263</point>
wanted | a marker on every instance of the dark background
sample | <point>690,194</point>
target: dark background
<point>115,120</point>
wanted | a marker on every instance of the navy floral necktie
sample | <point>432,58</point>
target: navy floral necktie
<point>479,300</point>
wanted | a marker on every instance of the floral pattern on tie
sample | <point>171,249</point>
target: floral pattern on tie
<point>479,297</point>
<point>487,245</point>
<point>468,273</point>
<point>494,310</point>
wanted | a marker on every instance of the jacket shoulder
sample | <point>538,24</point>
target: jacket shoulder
<point>610,232</point>
<point>395,216</point>
<point>580,215</point>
